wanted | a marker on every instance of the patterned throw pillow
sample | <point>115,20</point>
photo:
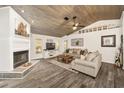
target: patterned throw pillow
<point>97,52</point>
<point>85,52</point>
<point>91,56</point>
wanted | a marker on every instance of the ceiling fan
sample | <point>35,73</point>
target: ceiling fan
<point>76,24</point>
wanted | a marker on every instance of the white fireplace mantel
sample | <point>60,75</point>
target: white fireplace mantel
<point>10,42</point>
<point>20,43</point>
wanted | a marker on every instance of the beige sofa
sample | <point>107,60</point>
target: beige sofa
<point>74,52</point>
<point>88,67</point>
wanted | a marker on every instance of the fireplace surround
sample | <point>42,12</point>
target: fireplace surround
<point>20,58</point>
<point>12,42</point>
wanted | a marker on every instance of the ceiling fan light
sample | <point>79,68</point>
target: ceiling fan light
<point>76,24</point>
<point>74,28</point>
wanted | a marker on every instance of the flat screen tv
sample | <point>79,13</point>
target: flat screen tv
<point>50,46</point>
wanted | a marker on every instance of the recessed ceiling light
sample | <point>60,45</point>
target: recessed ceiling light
<point>22,11</point>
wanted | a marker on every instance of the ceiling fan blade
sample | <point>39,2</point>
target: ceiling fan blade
<point>80,26</point>
<point>65,22</point>
<point>74,20</point>
<point>64,26</point>
<point>68,25</point>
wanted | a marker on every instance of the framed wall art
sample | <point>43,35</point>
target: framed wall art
<point>21,28</point>
<point>77,42</point>
<point>108,41</point>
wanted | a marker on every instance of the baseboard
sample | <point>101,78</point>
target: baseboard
<point>108,62</point>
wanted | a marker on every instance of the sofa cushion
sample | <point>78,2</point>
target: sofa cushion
<point>85,63</point>
<point>75,55</point>
<point>76,51</point>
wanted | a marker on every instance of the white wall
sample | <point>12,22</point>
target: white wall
<point>114,22</point>
<point>15,19</point>
<point>44,38</point>
<point>4,39</point>
<point>62,43</point>
<point>92,41</point>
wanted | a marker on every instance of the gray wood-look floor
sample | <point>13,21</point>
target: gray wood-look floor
<point>47,75</point>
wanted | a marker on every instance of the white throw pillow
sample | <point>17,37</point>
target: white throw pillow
<point>70,51</point>
<point>97,52</point>
<point>83,57</point>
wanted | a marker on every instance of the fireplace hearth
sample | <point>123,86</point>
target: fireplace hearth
<point>20,58</point>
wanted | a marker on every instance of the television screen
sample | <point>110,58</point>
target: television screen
<point>50,46</point>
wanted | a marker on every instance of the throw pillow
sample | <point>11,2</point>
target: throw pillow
<point>82,57</point>
<point>97,52</point>
<point>90,56</point>
<point>82,52</point>
<point>75,51</point>
<point>70,51</point>
<point>85,52</point>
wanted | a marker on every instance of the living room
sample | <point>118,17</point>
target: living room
<point>38,44</point>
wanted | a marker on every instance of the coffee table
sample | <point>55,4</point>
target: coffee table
<point>65,58</point>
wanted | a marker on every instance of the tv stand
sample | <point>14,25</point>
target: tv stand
<point>50,53</point>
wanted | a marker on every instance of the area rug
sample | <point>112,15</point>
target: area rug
<point>63,65</point>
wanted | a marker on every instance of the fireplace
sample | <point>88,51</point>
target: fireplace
<point>20,58</point>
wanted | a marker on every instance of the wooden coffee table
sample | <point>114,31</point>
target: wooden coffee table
<point>65,58</point>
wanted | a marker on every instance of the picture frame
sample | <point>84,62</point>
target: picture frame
<point>77,42</point>
<point>108,41</point>
<point>21,28</point>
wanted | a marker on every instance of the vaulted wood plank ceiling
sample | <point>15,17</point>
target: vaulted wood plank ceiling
<point>49,20</point>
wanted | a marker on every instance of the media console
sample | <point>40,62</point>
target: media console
<point>50,53</point>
